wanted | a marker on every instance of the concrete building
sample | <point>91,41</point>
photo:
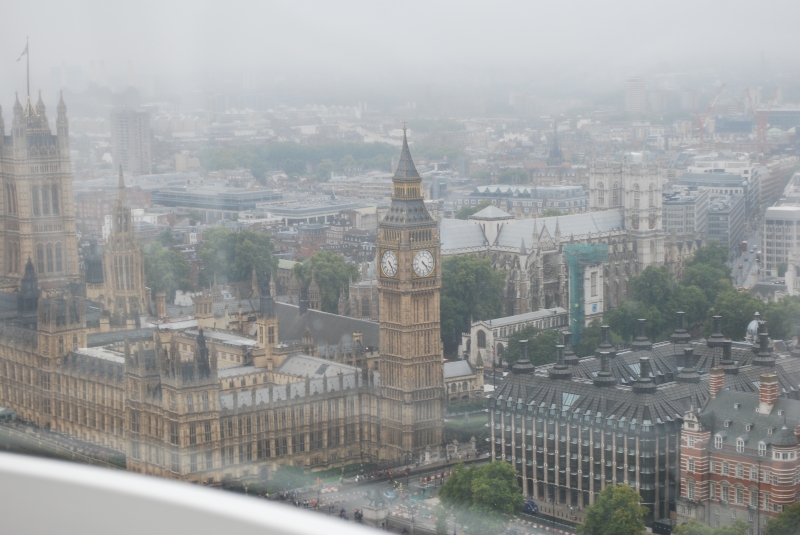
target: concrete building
<point>130,142</point>
<point>214,202</point>
<point>781,236</point>
<point>726,220</point>
<point>575,427</point>
<point>686,212</point>
<point>725,184</point>
<point>635,96</point>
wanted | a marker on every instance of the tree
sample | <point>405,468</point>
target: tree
<point>714,254</point>
<point>708,278</point>
<point>232,256</point>
<point>786,523</point>
<point>615,512</point>
<point>166,239</point>
<point>654,287</point>
<point>481,496</point>
<point>695,527</point>
<point>166,271</point>
<point>693,301</point>
<point>511,176</point>
<point>470,289</point>
<point>782,268</point>
<point>551,212</point>
<point>541,345</point>
<point>783,317</point>
<point>737,309</point>
<point>441,520</point>
<point>465,212</point>
<point>324,170</point>
<point>331,273</point>
<point>592,336</point>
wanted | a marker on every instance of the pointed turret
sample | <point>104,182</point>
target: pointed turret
<point>557,234</point>
<point>522,251</point>
<point>28,297</point>
<point>254,291</point>
<point>62,124</point>
<point>17,106</point>
<point>40,108</point>
<point>405,167</point>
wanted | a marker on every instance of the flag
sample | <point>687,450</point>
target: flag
<point>24,52</point>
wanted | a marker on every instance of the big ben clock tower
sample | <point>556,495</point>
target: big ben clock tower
<point>409,282</point>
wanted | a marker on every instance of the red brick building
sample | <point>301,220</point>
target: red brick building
<point>739,454</point>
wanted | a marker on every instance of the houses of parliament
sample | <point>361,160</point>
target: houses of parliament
<point>243,386</point>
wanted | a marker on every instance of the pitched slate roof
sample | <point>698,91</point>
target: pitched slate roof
<point>458,368</point>
<point>324,327</point>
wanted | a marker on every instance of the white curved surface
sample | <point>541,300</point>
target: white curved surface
<point>42,496</point>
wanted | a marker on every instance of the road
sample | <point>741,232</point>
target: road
<point>744,276</point>
<point>350,498</point>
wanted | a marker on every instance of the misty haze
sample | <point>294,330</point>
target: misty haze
<point>506,268</point>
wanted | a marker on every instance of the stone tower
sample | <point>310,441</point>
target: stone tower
<point>409,282</point>
<point>125,292</point>
<point>38,220</point>
<point>634,187</point>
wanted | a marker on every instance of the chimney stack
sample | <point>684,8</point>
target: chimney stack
<point>716,380</point>
<point>767,392</point>
<point>161,305</point>
<point>604,377</point>
<point>641,343</point>
<point>716,338</point>
<point>680,335</point>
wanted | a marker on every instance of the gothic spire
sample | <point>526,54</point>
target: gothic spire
<point>406,168</point>
<point>121,182</point>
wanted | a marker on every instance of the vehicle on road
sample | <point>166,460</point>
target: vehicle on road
<point>530,507</point>
<point>389,495</point>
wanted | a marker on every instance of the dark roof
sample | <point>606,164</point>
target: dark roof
<point>723,408</point>
<point>324,327</point>
<point>405,167</point>
<point>115,337</point>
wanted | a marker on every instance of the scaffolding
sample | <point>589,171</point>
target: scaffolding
<point>577,257</point>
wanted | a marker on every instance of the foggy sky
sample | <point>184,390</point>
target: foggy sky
<point>394,46</point>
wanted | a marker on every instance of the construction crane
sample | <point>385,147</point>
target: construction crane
<point>701,122</point>
<point>761,120</point>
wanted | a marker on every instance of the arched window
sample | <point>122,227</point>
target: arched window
<point>690,490</point>
<point>35,200</point>
<point>762,449</point>
<point>55,200</point>
<point>651,196</point>
<point>615,195</point>
<point>601,195</point>
<point>74,342</point>
<point>636,195</point>
<point>45,200</point>
<point>59,259</point>
<point>652,247</point>
<point>189,403</point>
<point>40,258</point>
<point>205,401</point>
<point>481,339</point>
<point>60,345</point>
<point>718,442</point>
<point>49,257</point>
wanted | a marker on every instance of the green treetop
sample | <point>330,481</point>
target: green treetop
<point>615,512</point>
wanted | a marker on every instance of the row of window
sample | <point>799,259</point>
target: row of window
<point>45,200</point>
<point>49,258</point>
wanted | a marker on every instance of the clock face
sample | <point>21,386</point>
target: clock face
<point>423,263</point>
<point>389,263</point>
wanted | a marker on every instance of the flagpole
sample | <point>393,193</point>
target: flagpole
<point>28,61</point>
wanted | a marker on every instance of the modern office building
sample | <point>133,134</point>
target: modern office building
<point>781,236</point>
<point>130,142</point>
<point>686,212</point>
<point>635,96</point>
<point>726,220</point>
